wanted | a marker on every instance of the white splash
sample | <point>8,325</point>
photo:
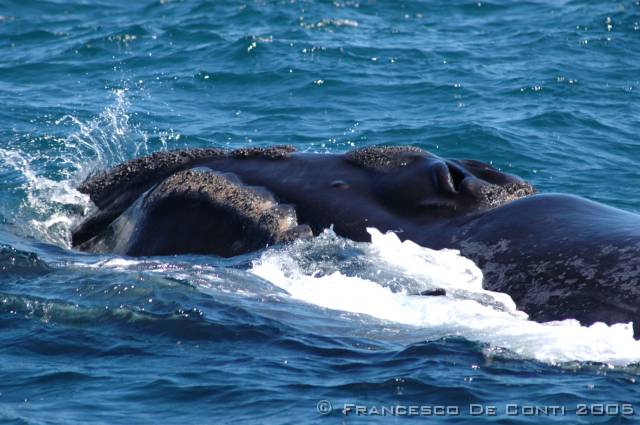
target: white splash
<point>48,205</point>
<point>467,310</point>
<point>43,180</point>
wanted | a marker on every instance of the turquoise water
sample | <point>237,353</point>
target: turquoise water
<point>546,90</point>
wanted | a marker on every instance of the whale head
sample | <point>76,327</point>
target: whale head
<point>416,182</point>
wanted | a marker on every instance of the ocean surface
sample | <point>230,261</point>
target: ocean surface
<point>548,90</point>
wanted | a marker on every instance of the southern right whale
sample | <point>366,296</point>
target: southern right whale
<point>558,256</point>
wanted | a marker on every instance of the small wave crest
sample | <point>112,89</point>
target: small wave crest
<point>382,279</point>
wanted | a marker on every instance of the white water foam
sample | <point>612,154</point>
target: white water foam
<point>467,310</point>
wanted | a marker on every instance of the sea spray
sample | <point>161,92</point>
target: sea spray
<point>105,140</point>
<point>46,206</point>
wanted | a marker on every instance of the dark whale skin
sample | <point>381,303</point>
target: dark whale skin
<point>558,256</point>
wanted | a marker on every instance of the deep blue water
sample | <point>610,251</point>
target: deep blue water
<point>546,90</point>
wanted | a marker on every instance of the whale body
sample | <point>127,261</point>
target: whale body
<point>558,256</point>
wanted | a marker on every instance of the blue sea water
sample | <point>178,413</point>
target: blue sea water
<point>548,90</point>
